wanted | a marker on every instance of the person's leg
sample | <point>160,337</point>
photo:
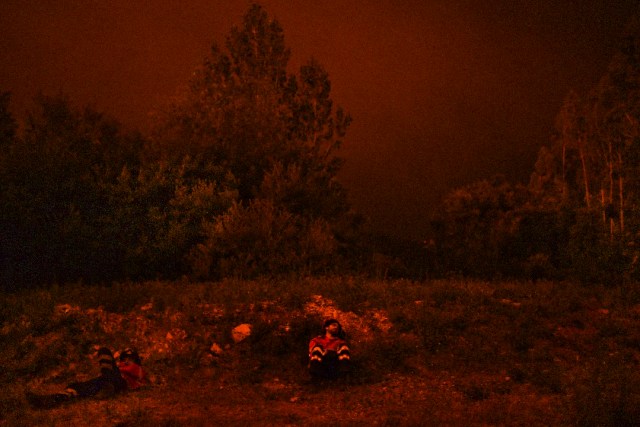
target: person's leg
<point>108,383</point>
<point>111,380</point>
<point>93,387</point>
<point>87,388</point>
<point>330,365</point>
<point>106,362</point>
<point>344,359</point>
<point>316,365</point>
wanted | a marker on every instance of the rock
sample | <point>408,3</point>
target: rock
<point>216,349</point>
<point>66,309</point>
<point>241,332</point>
<point>357,327</point>
<point>381,320</point>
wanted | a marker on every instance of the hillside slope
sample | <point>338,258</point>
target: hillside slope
<point>449,352</point>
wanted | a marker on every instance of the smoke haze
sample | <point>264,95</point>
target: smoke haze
<point>442,94</point>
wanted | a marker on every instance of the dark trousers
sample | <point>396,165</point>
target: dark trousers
<point>329,366</point>
<point>107,383</point>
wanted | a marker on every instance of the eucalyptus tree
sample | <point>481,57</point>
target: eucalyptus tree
<point>596,158</point>
<point>614,121</point>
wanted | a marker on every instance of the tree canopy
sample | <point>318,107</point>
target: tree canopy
<point>277,133</point>
<point>237,178</point>
<point>579,216</point>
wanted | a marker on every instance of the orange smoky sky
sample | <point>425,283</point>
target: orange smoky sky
<point>442,92</point>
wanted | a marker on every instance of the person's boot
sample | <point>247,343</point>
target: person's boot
<point>106,361</point>
<point>46,401</point>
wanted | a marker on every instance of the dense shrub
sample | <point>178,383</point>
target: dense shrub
<point>262,239</point>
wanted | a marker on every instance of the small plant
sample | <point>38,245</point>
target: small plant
<point>476,393</point>
<point>444,295</point>
<point>432,329</point>
<point>609,396</point>
<point>349,293</point>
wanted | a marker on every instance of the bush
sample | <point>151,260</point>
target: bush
<point>593,256</point>
<point>609,395</point>
<point>262,239</point>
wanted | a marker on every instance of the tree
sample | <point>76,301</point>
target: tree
<point>596,157</point>
<point>7,237</point>
<point>247,150</point>
<point>476,225</point>
<point>275,133</point>
<point>50,180</point>
<point>7,122</point>
<point>616,112</point>
<point>574,139</point>
<point>153,217</point>
<point>262,239</point>
<point>244,112</point>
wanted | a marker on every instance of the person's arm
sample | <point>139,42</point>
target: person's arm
<point>312,344</point>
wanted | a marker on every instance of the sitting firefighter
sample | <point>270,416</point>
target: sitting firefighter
<point>329,355</point>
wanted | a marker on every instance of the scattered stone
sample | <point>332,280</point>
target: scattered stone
<point>358,328</point>
<point>64,309</point>
<point>176,334</point>
<point>241,332</point>
<point>507,301</point>
<point>284,329</point>
<point>381,320</point>
<point>216,349</point>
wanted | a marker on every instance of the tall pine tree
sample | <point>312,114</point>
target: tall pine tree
<point>275,132</point>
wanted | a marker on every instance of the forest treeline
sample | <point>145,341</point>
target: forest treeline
<point>579,216</point>
<point>238,178</point>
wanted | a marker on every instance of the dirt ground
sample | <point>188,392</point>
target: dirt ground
<point>420,399</point>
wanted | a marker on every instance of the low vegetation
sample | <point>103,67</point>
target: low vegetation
<point>449,352</point>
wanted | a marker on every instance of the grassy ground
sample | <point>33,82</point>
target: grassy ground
<point>450,352</point>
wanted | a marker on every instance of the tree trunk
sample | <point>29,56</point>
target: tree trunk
<point>621,193</point>
<point>564,173</point>
<point>587,195</point>
<point>603,202</point>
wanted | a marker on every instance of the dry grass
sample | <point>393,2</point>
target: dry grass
<point>451,352</point>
